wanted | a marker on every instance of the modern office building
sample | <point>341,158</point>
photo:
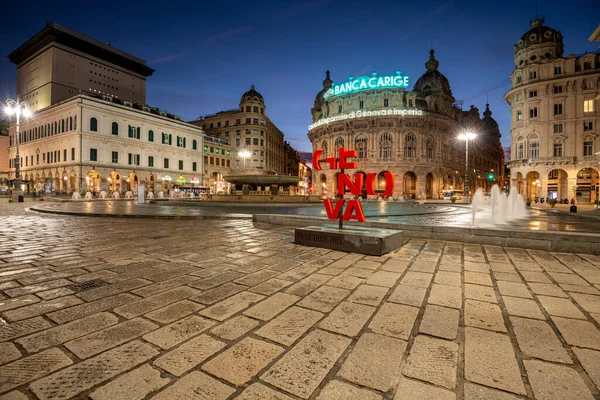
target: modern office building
<point>554,102</point>
<point>412,134</point>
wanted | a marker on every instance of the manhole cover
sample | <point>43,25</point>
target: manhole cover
<point>83,286</point>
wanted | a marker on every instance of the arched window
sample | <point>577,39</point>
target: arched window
<point>360,144</point>
<point>151,135</point>
<point>520,148</point>
<point>385,146</point>
<point>534,146</point>
<point>430,146</point>
<point>324,148</point>
<point>115,128</point>
<point>194,145</point>
<point>410,145</point>
<point>339,143</point>
<point>93,124</point>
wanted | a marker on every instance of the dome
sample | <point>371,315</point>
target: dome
<point>432,81</point>
<point>489,123</point>
<point>252,95</point>
<point>539,34</point>
<point>319,99</point>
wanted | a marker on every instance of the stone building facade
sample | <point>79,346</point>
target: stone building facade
<point>217,164</point>
<point>248,128</point>
<point>554,102</point>
<point>412,134</point>
<point>88,144</point>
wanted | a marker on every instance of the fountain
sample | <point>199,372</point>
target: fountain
<point>102,194</point>
<point>115,195</point>
<point>161,195</point>
<point>76,196</point>
<point>88,195</point>
<point>498,208</point>
<point>150,195</point>
<point>129,195</point>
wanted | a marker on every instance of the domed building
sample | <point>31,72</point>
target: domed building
<point>410,133</point>
<point>554,107</point>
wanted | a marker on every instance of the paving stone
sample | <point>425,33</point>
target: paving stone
<point>257,277</point>
<point>8,353</point>
<point>82,310</point>
<point>9,304</point>
<point>22,328</point>
<point>555,382</point>
<point>571,279</point>
<point>110,290</point>
<point>590,360</point>
<point>448,296</point>
<point>324,299</point>
<point>433,360</point>
<point>476,266</point>
<point>154,288</point>
<point>514,289</point>
<point>198,383</point>
<point>336,390</point>
<point>41,308</point>
<point>150,303</point>
<point>134,385</point>
<point>347,319</point>
<point>588,302</point>
<point>174,311</point>
<point>242,362</point>
<point>345,282</point>
<point>55,293</point>
<point>522,307</point>
<point>440,321</point>
<point>302,369</point>
<point>398,266</point>
<point>298,273</point>
<point>372,265</point>
<point>547,289</point>
<point>533,276</point>
<point>537,339</point>
<point>358,272</point>
<point>368,295</point>
<point>15,395</point>
<point>307,285</point>
<point>30,368</point>
<point>187,356</point>
<point>258,391</point>
<point>410,295</point>
<point>272,306</point>
<point>23,290</point>
<point>394,320</point>
<point>413,390</point>
<point>578,333</point>
<point>216,280</point>
<point>448,278</point>
<point>226,308</point>
<point>179,331</point>
<point>484,315</point>
<point>490,360</point>
<point>580,289</point>
<point>383,278</point>
<point>418,279</point>
<point>560,307</point>
<point>508,276</point>
<point>63,333</point>
<point>449,266</point>
<point>110,337</point>
<point>219,293</point>
<point>289,326</point>
<point>481,293</point>
<point>374,362</point>
<point>476,392</point>
<point>271,286</point>
<point>478,278</point>
<point>234,328</point>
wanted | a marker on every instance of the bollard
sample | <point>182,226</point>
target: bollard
<point>573,209</point>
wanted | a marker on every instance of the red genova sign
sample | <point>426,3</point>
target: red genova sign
<point>354,209</point>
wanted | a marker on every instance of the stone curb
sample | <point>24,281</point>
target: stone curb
<point>90,214</point>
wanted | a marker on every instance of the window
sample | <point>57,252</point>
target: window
<point>588,105</point>
<point>72,153</point>
<point>64,156</point>
<point>519,115</point>
<point>237,121</point>
<point>430,147</point>
<point>361,104</point>
<point>129,158</point>
<point>589,85</point>
<point>558,89</point>
<point>194,166</point>
<point>237,142</point>
<point>166,163</point>
<point>93,124</point>
<point>385,102</point>
<point>587,65</point>
<point>558,109</point>
<point>151,135</point>
<point>337,145</point>
<point>93,155</point>
<point>115,128</point>
<point>533,93</point>
<point>151,161</point>
<point>248,120</point>
<point>588,147</point>
<point>255,142</point>
<point>181,142</point>
<point>115,157</point>
<point>248,141</point>
<point>180,164</point>
<point>534,146</point>
<point>219,124</point>
<point>133,132</point>
<point>195,144</point>
<point>520,148</point>
<point>339,109</point>
<point>533,112</point>
<point>519,79</point>
<point>557,70</point>
<point>588,125</point>
<point>558,128</point>
<point>533,75</point>
<point>410,146</point>
<point>558,150</point>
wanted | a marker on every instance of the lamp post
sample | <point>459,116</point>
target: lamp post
<point>244,154</point>
<point>17,108</point>
<point>466,136</point>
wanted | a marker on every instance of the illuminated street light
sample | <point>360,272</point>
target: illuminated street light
<point>466,136</point>
<point>14,107</point>
<point>244,154</point>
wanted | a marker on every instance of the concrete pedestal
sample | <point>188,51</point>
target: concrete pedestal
<point>363,240</point>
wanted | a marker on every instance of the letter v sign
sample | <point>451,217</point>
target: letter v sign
<point>331,213</point>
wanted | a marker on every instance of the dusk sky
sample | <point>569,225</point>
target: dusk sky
<point>206,54</point>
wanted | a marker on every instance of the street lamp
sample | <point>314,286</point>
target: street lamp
<point>466,136</point>
<point>17,108</point>
<point>244,154</point>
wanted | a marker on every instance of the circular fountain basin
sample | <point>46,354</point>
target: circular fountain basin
<point>263,180</point>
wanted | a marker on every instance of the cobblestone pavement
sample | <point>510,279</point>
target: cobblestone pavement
<point>173,309</point>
